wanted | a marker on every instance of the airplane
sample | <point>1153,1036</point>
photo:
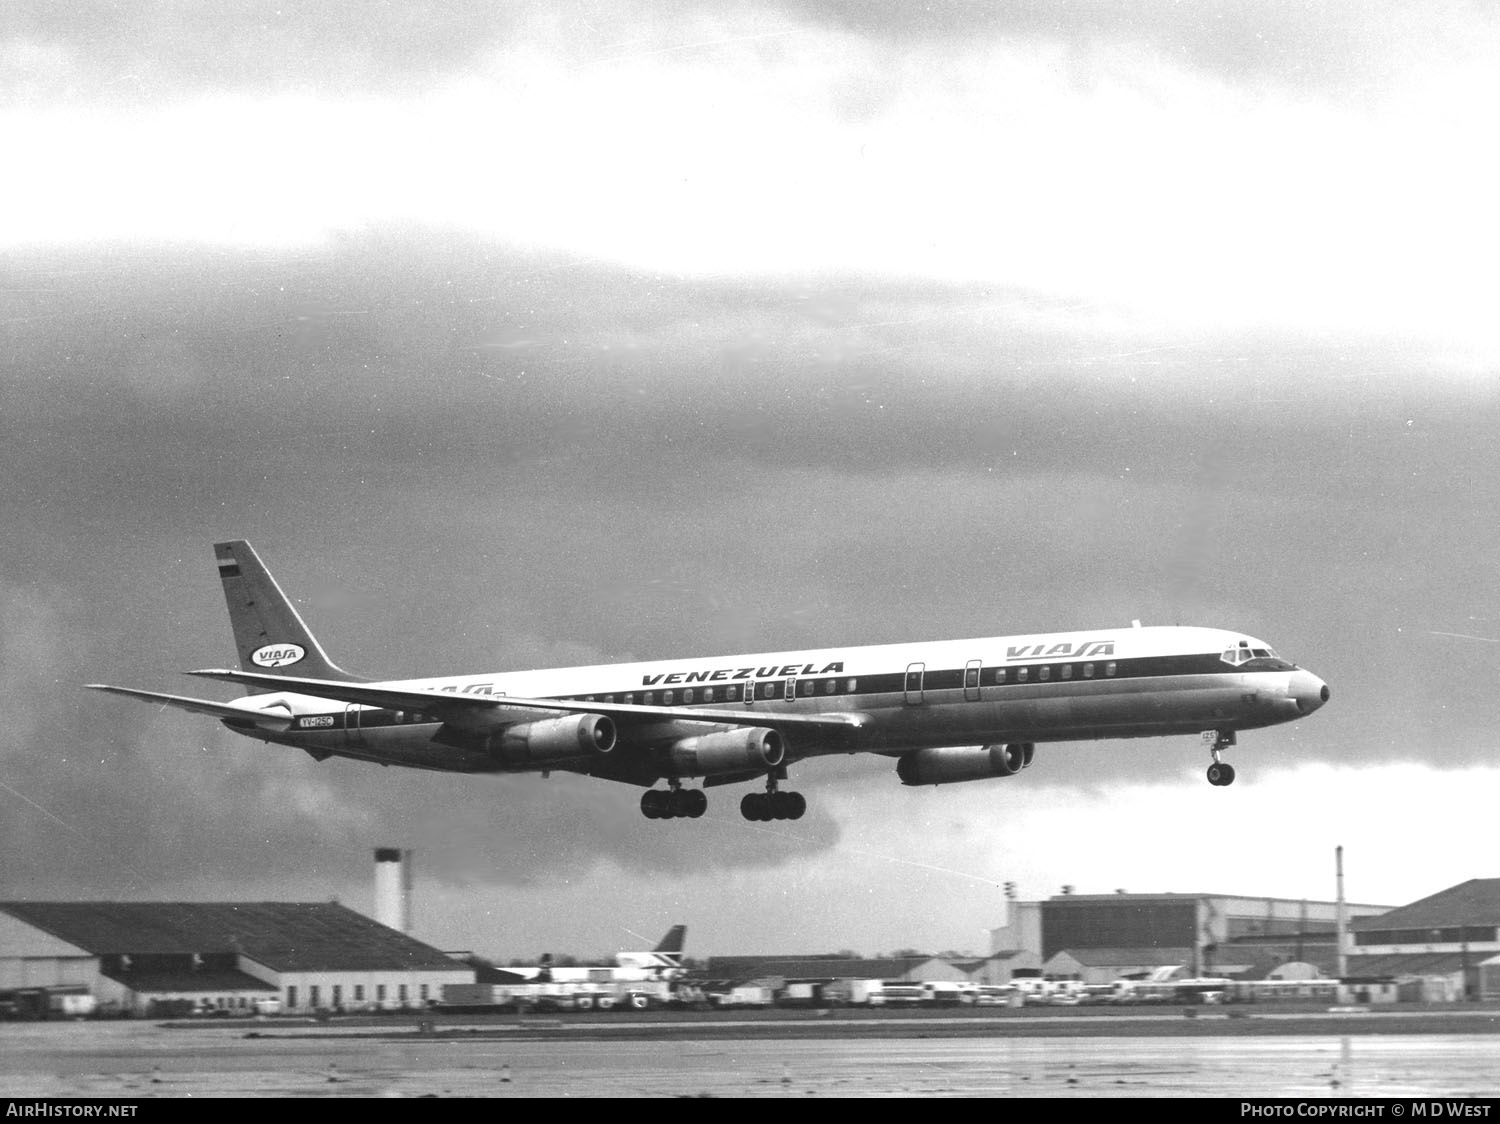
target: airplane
<point>664,962</point>
<point>946,711</point>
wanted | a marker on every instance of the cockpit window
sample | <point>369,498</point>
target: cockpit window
<point>1246,658</point>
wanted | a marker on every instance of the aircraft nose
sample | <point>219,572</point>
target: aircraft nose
<point>1308,690</point>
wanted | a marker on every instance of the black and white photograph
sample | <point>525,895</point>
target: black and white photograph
<point>750,549</point>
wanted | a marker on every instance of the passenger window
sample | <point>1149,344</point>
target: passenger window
<point>1109,668</point>
<point>999,675</point>
<point>708,694</point>
<point>830,686</point>
<point>1067,671</point>
<point>630,700</point>
<point>731,693</point>
<point>1088,671</point>
<point>687,695</point>
<point>1045,673</point>
<point>768,691</point>
<point>1021,674</point>
<point>649,698</point>
<point>666,698</point>
<point>852,685</point>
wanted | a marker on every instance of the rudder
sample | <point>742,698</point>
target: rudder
<point>269,634</point>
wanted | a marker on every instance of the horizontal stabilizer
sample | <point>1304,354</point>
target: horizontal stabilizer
<point>272,721</point>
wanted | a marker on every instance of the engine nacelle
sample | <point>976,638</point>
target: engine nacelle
<point>950,763</point>
<point>553,739</point>
<point>733,751</point>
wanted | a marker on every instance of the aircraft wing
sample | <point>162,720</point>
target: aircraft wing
<point>273,721</point>
<point>476,710</point>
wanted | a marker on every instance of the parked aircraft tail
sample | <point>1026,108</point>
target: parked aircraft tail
<point>269,634</point>
<point>674,940</point>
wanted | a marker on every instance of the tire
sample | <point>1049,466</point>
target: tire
<point>640,1002</point>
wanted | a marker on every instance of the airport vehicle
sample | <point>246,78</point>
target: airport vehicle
<point>946,711</point>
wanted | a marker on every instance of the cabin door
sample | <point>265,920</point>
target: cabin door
<point>353,738</point>
<point>971,680</point>
<point>914,675</point>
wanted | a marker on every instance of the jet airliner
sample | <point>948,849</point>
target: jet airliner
<point>945,711</point>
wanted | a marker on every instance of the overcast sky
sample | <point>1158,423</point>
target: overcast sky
<point>532,334</point>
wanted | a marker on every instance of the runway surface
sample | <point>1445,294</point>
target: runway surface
<point>139,1060</point>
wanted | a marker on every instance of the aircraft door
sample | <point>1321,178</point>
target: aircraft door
<point>971,681</point>
<point>914,675</point>
<point>353,737</point>
<point>791,688</point>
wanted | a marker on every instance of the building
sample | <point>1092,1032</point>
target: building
<point>1105,965</point>
<point>148,958</point>
<point>1080,935</point>
<point>1440,945</point>
<point>795,969</point>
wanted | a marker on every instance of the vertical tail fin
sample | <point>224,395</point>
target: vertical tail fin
<point>674,940</point>
<point>269,635</point>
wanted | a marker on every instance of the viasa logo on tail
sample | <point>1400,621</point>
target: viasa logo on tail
<point>277,655</point>
<point>1042,651</point>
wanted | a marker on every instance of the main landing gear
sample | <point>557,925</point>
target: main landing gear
<point>674,803</point>
<point>773,804</point>
<point>1220,772</point>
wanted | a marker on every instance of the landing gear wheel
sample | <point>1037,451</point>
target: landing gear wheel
<point>1220,774</point>
<point>654,804</point>
<point>756,806</point>
<point>796,805</point>
<point>696,802</point>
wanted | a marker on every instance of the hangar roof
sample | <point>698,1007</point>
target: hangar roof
<point>1475,902</point>
<point>283,936</point>
<point>146,983</point>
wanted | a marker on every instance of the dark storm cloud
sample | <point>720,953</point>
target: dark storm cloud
<point>1343,42</point>
<point>459,459</point>
<point>129,52</point>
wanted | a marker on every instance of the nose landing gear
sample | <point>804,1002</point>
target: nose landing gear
<point>1220,773</point>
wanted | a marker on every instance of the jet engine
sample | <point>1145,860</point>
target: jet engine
<point>553,739</point>
<point>950,763</point>
<point>733,751</point>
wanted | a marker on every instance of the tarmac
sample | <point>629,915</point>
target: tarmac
<point>1316,1054</point>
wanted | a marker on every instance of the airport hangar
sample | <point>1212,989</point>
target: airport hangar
<point>1449,940</point>
<point>143,958</point>
<point>1098,938</point>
